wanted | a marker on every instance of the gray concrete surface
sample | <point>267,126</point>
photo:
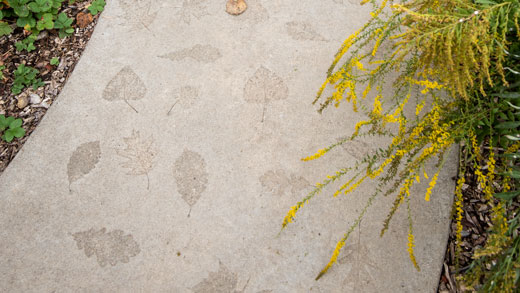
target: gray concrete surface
<point>173,153</point>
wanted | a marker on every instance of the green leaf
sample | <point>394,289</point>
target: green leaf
<point>15,124</point>
<point>26,21</point>
<point>96,6</point>
<point>508,95</point>
<point>54,61</point>
<point>508,125</point>
<point>5,29</point>
<point>513,174</point>
<point>45,22</point>
<point>507,195</point>
<point>18,132</point>
<point>9,120</point>
<point>514,138</point>
<point>8,136</point>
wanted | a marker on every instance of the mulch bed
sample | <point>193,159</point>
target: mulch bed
<point>31,105</point>
<point>476,222</point>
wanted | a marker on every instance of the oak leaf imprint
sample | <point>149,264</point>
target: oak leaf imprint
<point>303,31</point>
<point>109,248</point>
<point>279,183</point>
<point>263,87</point>
<point>140,154</point>
<point>83,160</point>
<point>200,53</point>
<point>222,281</point>
<point>192,9</point>
<point>125,86</point>
<point>186,96</point>
<point>138,12</point>
<point>191,177</point>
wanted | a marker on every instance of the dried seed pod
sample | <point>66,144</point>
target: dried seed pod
<point>236,7</point>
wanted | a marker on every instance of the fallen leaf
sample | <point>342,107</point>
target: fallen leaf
<point>83,19</point>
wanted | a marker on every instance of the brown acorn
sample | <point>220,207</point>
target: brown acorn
<point>236,7</point>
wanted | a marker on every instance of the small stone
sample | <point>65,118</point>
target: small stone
<point>42,35</point>
<point>22,101</point>
<point>35,99</point>
<point>236,7</point>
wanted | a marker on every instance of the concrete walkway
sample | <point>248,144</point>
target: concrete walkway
<point>173,153</point>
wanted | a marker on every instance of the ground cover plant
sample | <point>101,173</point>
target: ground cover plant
<point>40,43</point>
<point>458,61</point>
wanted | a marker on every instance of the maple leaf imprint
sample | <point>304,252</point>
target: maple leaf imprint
<point>140,154</point>
<point>138,12</point>
<point>109,248</point>
<point>222,281</point>
<point>360,274</point>
<point>263,87</point>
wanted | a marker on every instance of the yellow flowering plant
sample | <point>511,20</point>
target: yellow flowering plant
<point>448,55</point>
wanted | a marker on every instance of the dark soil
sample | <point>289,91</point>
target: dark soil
<point>31,105</point>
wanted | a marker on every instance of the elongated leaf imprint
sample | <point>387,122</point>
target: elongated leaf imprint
<point>125,86</point>
<point>109,248</point>
<point>303,31</point>
<point>83,160</point>
<point>140,154</point>
<point>200,53</point>
<point>263,87</point>
<point>222,281</point>
<point>191,176</point>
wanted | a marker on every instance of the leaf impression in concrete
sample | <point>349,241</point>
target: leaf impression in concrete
<point>83,160</point>
<point>190,176</point>
<point>138,12</point>
<point>109,248</point>
<point>279,183</point>
<point>356,148</point>
<point>222,281</point>
<point>263,87</point>
<point>185,97</point>
<point>303,31</point>
<point>192,9</point>
<point>140,154</point>
<point>125,86</point>
<point>201,53</point>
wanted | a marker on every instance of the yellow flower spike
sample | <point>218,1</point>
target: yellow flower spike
<point>411,245</point>
<point>316,155</point>
<point>333,259</point>
<point>358,126</point>
<point>433,182</point>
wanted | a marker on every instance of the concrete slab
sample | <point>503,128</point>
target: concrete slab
<point>173,153</point>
